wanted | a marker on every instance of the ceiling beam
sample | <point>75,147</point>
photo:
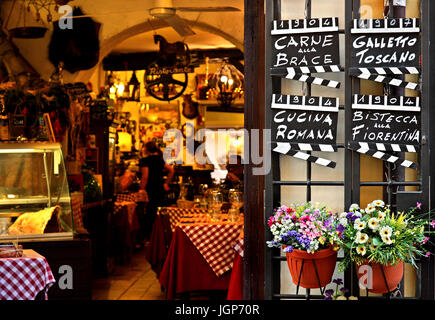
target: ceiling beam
<point>141,60</point>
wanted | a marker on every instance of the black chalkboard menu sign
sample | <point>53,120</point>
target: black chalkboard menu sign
<point>385,43</point>
<point>304,120</point>
<point>386,123</point>
<point>384,48</point>
<point>305,43</point>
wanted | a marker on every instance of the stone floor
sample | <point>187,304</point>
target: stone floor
<point>133,281</point>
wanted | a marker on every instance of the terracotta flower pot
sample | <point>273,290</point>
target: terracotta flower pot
<point>393,275</point>
<point>324,260</point>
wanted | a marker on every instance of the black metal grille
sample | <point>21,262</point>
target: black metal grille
<point>393,183</point>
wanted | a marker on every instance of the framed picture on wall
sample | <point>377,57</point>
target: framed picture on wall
<point>155,119</point>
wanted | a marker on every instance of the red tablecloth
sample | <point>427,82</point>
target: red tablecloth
<point>166,220</point>
<point>235,287</point>
<point>125,224</point>
<point>24,277</point>
<point>160,241</point>
<point>185,269</point>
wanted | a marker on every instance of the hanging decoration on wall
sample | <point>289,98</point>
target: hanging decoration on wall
<point>79,47</point>
<point>305,123</point>
<point>304,46</point>
<point>173,58</point>
<point>382,124</point>
<point>383,48</point>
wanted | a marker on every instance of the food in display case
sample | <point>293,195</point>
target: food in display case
<point>38,222</point>
<point>11,251</point>
<point>35,202</point>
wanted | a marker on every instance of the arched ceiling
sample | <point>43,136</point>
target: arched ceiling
<point>144,42</point>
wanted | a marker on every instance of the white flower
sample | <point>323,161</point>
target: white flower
<point>361,250</point>
<point>386,231</point>
<point>370,208</point>
<point>361,238</point>
<point>373,224</point>
<point>387,240</point>
<point>353,207</point>
<point>359,225</point>
<point>342,215</point>
<point>343,221</point>
<point>357,214</point>
<point>378,203</point>
<point>381,215</point>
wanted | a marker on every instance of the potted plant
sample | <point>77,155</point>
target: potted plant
<point>379,241</point>
<point>308,234</point>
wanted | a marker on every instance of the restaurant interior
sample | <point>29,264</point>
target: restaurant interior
<point>122,145</point>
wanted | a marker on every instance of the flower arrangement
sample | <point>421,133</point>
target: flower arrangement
<point>337,294</point>
<point>304,227</point>
<point>377,235</point>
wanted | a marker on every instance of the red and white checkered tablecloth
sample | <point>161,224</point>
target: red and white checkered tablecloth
<point>175,214</point>
<point>24,277</point>
<point>214,242</point>
<point>238,246</point>
<point>76,207</point>
<point>134,196</point>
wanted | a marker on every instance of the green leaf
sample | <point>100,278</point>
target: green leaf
<point>376,241</point>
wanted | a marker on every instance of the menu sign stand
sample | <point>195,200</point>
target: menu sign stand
<point>382,48</point>
<point>305,123</point>
<point>382,124</point>
<point>304,46</point>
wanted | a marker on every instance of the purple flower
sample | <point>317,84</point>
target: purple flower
<point>329,292</point>
<point>419,205</point>
<point>344,290</point>
<point>288,249</point>
<point>354,217</point>
<point>340,228</point>
<point>427,254</point>
<point>338,282</point>
<point>328,298</point>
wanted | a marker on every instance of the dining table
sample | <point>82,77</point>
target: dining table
<point>161,236</point>
<point>25,277</point>
<point>125,225</point>
<point>201,255</point>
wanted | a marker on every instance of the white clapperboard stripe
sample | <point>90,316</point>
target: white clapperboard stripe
<point>325,25</point>
<point>404,25</point>
<point>391,70</point>
<point>403,105</point>
<point>388,80</point>
<point>318,69</point>
<point>291,74</point>
<point>389,158</point>
<point>311,147</point>
<point>385,147</point>
<point>285,148</point>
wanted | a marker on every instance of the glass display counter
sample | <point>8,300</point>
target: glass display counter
<point>35,202</point>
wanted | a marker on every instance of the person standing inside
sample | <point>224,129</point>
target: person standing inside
<point>153,168</point>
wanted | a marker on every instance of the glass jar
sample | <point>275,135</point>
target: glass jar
<point>233,215</point>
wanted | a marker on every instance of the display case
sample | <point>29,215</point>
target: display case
<point>35,202</point>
